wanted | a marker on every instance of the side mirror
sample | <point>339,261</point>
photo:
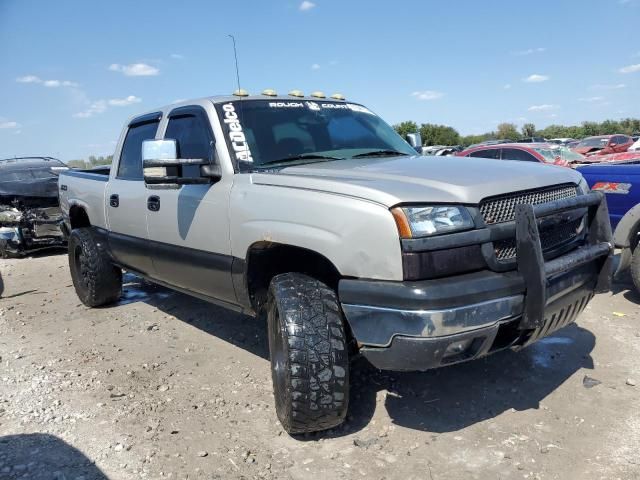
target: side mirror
<point>415,140</point>
<point>161,167</point>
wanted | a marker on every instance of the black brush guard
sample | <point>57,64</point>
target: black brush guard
<point>530,259</point>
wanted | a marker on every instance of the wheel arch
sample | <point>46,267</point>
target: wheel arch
<point>264,260</point>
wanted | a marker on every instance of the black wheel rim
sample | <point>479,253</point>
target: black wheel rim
<point>80,262</point>
<point>278,355</point>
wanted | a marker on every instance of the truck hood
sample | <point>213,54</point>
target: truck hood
<point>418,179</point>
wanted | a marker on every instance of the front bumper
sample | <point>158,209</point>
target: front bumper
<point>426,324</point>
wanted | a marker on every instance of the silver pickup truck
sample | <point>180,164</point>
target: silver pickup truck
<point>314,213</point>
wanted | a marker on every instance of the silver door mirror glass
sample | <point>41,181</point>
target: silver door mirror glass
<point>415,140</point>
<point>159,150</point>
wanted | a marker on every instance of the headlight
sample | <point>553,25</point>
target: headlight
<point>583,187</point>
<point>424,221</point>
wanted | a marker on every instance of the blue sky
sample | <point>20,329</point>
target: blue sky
<point>73,71</point>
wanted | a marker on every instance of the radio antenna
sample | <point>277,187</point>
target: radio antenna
<point>235,55</point>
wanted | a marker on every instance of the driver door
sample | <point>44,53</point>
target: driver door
<point>189,226</point>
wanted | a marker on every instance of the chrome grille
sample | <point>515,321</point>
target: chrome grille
<point>501,208</point>
<point>550,238</point>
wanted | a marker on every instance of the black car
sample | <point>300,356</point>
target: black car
<point>30,216</point>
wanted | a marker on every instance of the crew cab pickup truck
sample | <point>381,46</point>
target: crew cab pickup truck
<point>314,213</point>
<point>620,182</point>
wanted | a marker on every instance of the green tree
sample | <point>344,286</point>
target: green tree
<point>433,134</point>
<point>403,128</point>
<point>528,130</point>
<point>508,131</point>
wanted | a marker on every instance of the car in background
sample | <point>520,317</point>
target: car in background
<point>490,142</point>
<point>534,152</point>
<point>635,147</point>
<point>441,150</point>
<point>30,216</point>
<point>532,140</point>
<point>620,182</point>
<point>563,141</point>
<point>627,156</point>
<point>603,144</point>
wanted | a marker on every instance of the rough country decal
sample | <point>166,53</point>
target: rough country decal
<point>286,104</point>
<point>236,135</point>
<point>313,106</point>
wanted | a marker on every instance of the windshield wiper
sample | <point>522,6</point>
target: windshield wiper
<point>296,158</point>
<point>381,153</point>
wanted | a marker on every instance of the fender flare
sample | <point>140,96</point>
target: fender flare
<point>627,226</point>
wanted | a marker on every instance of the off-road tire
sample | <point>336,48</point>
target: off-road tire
<point>309,354</point>
<point>96,279</point>
<point>635,268</point>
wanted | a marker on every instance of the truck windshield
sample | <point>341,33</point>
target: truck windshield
<point>275,133</point>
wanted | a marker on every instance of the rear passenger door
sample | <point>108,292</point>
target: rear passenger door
<point>189,232</point>
<point>126,198</point>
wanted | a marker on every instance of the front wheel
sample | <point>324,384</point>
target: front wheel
<point>309,357</point>
<point>96,279</point>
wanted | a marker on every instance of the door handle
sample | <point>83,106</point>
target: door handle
<point>153,203</point>
<point>114,201</point>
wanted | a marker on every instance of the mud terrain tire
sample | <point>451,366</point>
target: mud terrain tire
<point>309,356</point>
<point>97,281</point>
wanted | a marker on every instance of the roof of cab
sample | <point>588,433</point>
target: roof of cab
<point>217,99</point>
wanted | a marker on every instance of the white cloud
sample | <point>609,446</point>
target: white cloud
<point>123,102</point>
<point>612,86</point>
<point>29,79</point>
<point>47,83</point>
<point>95,108</point>
<point>177,56</point>
<point>7,124</point>
<point>530,51</point>
<point>306,5</point>
<point>427,95</point>
<point>536,78</point>
<point>591,99</point>
<point>100,106</point>
<point>315,66</point>
<point>135,69</point>
<point>542,108</point>
<point>507,86</point>
<point>630,68</point>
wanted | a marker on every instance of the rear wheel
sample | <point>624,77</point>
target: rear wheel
<point>309,357</point>
<point>96,279</point>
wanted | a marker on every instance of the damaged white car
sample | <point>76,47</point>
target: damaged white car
<point>30,216</point>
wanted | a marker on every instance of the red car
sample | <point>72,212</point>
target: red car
<point>603,145</point>
<point>611,157</point>
<point>529,152</point>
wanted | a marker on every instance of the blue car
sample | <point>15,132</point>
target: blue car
<point>621,184</point>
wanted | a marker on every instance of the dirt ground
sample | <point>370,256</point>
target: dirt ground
<point>165,386</point>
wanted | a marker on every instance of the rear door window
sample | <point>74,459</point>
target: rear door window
<point>130,165</point>
<point>517,154</point>
<point>488,153</point>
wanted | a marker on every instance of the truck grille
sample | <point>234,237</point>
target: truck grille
<point>501,208</point>
<point>550,238</point>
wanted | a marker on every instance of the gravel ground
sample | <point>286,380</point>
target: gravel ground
<point>162,385</point>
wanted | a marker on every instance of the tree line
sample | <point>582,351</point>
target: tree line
<point>433,134</point>
<point>90,162</point>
